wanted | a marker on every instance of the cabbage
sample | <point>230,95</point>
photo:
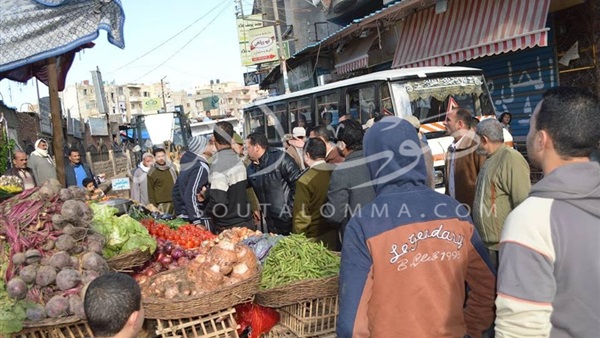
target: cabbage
<point>123,233</point>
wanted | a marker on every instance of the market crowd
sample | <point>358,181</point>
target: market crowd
<point>492,254</point>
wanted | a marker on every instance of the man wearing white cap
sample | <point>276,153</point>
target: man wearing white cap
<point>192,178</point>
<point>41,163</point>
<point>296,150</point>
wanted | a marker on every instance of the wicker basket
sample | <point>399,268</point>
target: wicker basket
<point>127,261</point>
<point>220,324</point>
<point>200,304</point>
<point>297,292</point>
<point>316,317</point>
<point>68,327</point>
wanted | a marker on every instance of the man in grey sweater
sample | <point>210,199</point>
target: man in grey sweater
<point>41,163</point>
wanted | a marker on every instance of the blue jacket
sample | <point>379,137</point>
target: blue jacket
<point>407,255</point>
<point>193,175</point>
<point>70,178</point>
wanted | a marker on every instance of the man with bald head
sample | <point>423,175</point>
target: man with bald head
<point>20,170</point>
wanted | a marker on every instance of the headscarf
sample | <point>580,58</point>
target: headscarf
<point>42,152</point>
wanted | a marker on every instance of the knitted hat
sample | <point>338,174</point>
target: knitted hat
<point>197,144</point>
<point>238,139</point>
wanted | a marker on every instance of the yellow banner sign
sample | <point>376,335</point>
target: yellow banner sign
<point>244,25</point>
<point>263,45</point>
<point>152,103</point>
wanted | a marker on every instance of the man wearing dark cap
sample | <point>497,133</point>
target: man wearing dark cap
<point>192,179</point>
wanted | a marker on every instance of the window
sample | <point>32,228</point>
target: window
<point>84,92</point>
<point>300,113</point>
<point>277,123</point>
<point>327,108</point>
<point>146,94</point>
<point>387,107</point>
<point>361,103</point>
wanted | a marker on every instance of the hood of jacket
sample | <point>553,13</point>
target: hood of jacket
<point>393,154</point>
<point>577,184</point>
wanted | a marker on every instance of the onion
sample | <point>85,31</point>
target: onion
<point>165,261</point>
<point>168,247</point>
<point>150,272</point>
<point>177,253</point>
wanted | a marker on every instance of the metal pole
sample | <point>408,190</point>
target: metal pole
<point>282,63</point>
<point>162,86</point>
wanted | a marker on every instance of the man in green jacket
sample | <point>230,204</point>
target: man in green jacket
<point>161,179</point>
<point>311,195</point>
<point>502,184</point>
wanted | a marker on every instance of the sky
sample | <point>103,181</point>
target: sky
<point>212,52</point>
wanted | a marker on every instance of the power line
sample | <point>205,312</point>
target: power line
<point>186,44</point>
<point>167,40</point>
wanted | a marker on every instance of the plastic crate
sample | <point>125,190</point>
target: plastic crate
<point>317,317</point>
<point>217,325</point>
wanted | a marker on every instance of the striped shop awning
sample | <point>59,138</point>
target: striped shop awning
<point>355,55</point>
<point>470,29</point>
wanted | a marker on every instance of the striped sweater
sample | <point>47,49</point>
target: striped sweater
<point>549,276</point>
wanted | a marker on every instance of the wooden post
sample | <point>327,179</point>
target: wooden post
<point>128,157</point>
<point>57,130</point>
<point>111,158</point>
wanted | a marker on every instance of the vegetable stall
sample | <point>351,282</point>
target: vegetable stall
<point>194,283</point>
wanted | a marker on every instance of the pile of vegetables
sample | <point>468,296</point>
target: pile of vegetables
<point>168,256</point>
<point>10,184</point>
<point>123,234</point>
<point>51,250</point>
<point>225,264</point>
<point>187,236</point>
<point>238,234</point>
<point>296,258</point>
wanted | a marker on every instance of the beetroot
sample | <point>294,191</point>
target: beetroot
<point>76,306</point>
<point>65,194</point>
<point>77,193</point>
<point>93,261</point>
<point>32,256</point>
<point>58,221</point>
<point>95,247</point>
<point>45,276</point>
<point>18,258</point>
<point>16,288</point>
<point>35,313</point>
<point>67,279</point>
<point>76,211</point>
<point>65,243</point>
<point>57,306</point>
<point>60,260</point>
<point>78,233</point>
<point>28,273</point>
<point>48,244</point>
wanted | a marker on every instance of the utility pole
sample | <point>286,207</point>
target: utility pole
<point>162,86</point>
<point>279,37</point>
